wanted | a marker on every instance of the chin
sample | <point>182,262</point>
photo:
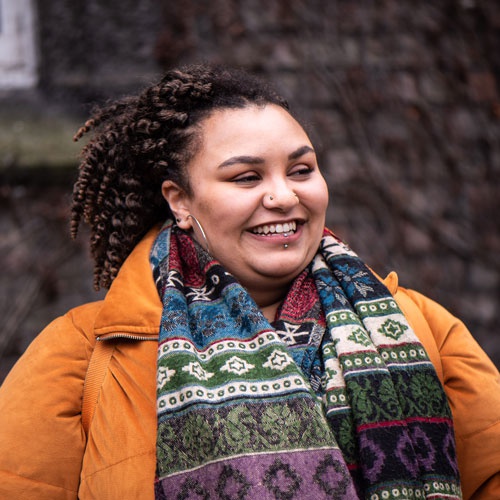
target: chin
<point>283,273</point>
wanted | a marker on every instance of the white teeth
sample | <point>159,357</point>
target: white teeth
<point>287,227</point>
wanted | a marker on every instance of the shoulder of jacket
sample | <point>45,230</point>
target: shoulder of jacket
<point>82,318</point>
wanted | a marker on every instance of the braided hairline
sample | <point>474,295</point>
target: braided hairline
<point>137,143</point>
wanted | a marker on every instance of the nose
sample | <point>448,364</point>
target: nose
<point>280,198</point>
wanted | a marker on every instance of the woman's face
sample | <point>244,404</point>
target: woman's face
<point>258,193</point>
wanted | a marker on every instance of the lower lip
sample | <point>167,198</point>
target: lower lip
<point>280,238</point>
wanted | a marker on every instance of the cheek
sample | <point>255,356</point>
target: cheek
<point>221,213</point>
<point>210,205</point>
<point>318,197</point>
<point>324,197</point>
<point>231,208</point>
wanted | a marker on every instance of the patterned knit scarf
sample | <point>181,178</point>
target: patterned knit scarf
<point>336,400</point>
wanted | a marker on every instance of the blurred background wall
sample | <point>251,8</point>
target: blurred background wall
<point>402,100</point>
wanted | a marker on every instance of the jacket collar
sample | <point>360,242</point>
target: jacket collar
<point>391,281</point>
<point>132,306</point>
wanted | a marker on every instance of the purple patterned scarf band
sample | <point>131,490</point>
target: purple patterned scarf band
<point>336,399</point>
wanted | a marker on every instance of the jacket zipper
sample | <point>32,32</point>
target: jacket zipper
<point>125,336</point>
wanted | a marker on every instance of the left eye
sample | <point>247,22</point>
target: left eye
<point>301,170</point>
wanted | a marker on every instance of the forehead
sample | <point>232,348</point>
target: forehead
<point>253,127</point>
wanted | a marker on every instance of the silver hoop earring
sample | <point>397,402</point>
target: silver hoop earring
<point>201,230</point>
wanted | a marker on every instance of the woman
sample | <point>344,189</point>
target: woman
<point>242,349</point>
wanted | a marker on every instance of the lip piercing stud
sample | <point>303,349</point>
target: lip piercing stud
<point>285,246</point>
<point>285,235</point>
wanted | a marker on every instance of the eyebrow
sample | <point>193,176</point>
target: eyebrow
<point>249,160</point>
<point>256,160</point>
<point>300,152</point>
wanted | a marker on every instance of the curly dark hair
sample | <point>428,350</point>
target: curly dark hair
<point>140,141</point>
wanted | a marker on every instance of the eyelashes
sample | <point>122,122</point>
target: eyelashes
<point>254,177</point>
<point>247,179</point>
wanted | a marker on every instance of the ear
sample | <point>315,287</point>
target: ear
<point>178,201</point>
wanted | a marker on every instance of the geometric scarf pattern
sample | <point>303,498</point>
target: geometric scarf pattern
<point>335,399</point>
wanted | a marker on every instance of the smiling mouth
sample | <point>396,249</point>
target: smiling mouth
<point>270,229</point>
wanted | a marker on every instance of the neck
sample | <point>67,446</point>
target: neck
<point>269,311</point>
<point>269,300</point>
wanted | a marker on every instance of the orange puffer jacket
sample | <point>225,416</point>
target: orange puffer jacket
<point>45,453</point>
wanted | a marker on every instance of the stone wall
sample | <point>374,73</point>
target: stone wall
<point>402,101</point>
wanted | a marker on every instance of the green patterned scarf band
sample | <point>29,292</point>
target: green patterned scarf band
<point>336,399</point>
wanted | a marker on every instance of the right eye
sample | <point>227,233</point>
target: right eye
<point>247,178</point>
